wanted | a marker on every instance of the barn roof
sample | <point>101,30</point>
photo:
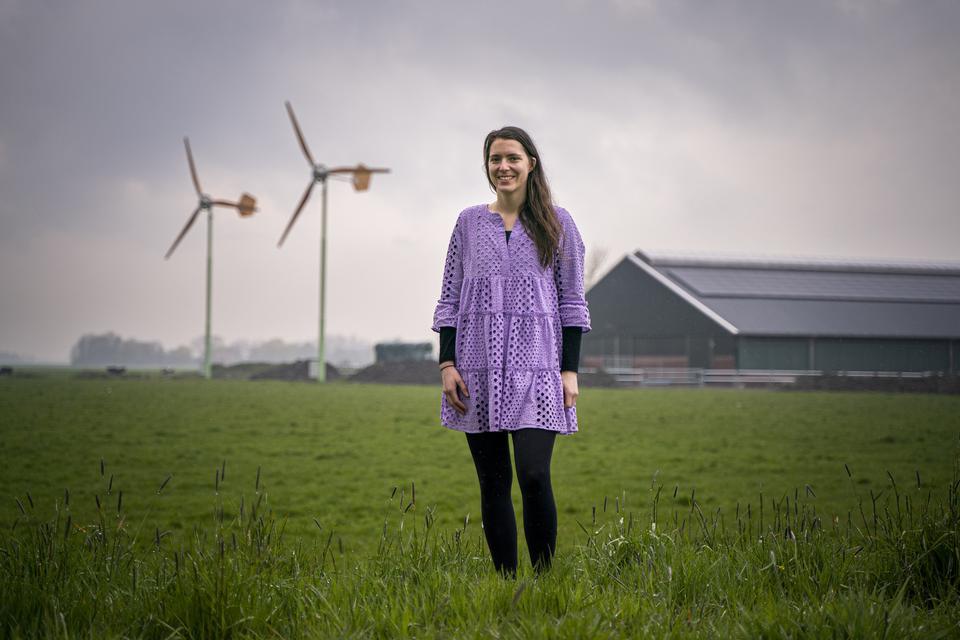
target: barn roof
<point>801,297</point>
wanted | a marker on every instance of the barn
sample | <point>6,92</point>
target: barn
<point>673,311</point>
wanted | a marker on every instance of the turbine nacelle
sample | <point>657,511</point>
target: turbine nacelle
<point>361,178</point>
<point>247,205</point>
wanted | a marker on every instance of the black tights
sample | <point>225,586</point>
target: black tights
<point>532,449</point>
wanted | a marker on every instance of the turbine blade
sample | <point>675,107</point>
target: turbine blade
<point>193,168</point>
<point>359,167</point>
<point>296,128</point>
<point>186,228</point>
<point>303,201</point>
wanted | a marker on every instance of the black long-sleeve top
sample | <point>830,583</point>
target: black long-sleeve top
<point>570,354</point>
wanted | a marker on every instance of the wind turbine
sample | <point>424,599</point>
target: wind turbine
<point>361,182</point>
<point>245,207</point>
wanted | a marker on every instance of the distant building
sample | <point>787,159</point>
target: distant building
<point>669,311</point>
<point>403,351</point>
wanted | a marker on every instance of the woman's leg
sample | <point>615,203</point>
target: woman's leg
<point>491,456</point>
<point>532,450</point>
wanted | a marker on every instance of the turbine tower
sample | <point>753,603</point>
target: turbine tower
<point>361,175</point>
<point>245,207</point>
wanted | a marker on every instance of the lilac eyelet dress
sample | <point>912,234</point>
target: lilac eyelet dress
<point>509,313</point>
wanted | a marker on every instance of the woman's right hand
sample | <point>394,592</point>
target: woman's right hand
<point>452,383</point>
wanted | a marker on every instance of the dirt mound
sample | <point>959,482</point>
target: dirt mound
<point>292,371</point>
<point>929,384</point>
<point>239,371</point>
<point>410,372</point>
<point>109,373</point>
<point>299,370</point>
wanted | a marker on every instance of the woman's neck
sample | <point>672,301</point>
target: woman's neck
<point>509,204</point>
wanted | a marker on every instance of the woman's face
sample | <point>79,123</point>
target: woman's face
<point>508,166</point>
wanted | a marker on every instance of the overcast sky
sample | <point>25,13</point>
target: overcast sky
<point>821,129</point>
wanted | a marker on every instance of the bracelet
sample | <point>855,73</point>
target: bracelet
<point>448,366</point>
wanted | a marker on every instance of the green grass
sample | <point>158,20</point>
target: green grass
<point>335,453</point>
<point>875,551</point>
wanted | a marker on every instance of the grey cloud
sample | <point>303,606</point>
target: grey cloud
<point>752,126</point>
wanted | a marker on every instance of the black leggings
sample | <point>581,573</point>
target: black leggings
<point>532,449</point>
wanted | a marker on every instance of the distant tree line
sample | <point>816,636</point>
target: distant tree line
<point>102,350</point>
<point>110,349</point>
<point>9,357</point>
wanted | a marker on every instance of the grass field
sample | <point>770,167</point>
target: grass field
<point>347,457</point>
<point>335,453</point>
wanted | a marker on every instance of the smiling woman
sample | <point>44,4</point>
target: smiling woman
<point>508,166</point>
<point>510,316</point>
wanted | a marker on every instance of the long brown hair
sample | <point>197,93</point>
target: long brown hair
<point>537,214</point>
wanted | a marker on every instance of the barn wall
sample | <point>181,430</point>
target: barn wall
<point>774,353</point>
<point>847,354</point>
<point>638,322</point>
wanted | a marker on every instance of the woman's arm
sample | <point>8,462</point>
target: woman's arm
<point>445,319</point>
<point>568,276</point>
<point>569,363</point>
<point>448,306</point>
<point>570,355</point>
<point>574,315</point>
<point>448,345</point>
<point>450,378</point>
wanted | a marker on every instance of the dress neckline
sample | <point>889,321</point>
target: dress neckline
<point>496,216</point>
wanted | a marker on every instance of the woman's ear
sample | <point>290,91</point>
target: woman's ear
<point>533,162</point>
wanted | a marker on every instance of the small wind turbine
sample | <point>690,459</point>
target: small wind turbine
<point>245,207</point>
<point>361,182</point>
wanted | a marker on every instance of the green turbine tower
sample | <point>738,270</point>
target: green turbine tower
<point>245,207</point>
<point>360,175</point>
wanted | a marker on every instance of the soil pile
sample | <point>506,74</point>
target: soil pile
<point>293,371</point>
<point>930,384</point>
<point>290,371</point>
<point>410,372</point>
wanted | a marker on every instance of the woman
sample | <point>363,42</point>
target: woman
<point>510,316</point>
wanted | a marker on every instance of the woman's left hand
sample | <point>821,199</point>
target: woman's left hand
<point>570,389</point>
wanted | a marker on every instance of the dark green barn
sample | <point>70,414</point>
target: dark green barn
<point>654,311</point>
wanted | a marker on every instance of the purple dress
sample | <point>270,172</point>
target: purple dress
<point>509,312</point>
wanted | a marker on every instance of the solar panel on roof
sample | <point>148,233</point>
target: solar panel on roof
<point>784,317</point>
<point>665,260</point>
<point>773,283</point>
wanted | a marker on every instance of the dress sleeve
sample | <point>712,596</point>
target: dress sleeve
<point>448,306</point>
<point>568,274</point>
<point>448,345</point>
<point>570,352</point>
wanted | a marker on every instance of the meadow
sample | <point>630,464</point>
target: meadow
<point>346,510</point>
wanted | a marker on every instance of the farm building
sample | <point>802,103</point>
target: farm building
<point>661,311</point>
<point>403,351</point>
